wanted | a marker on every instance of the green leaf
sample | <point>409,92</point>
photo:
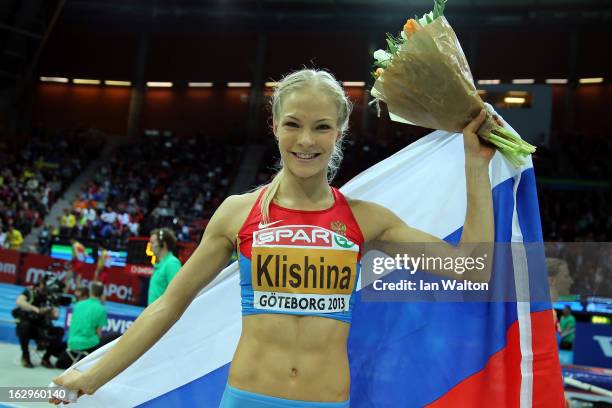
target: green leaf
<point>392,47</point>
<point>438,9</point>
<point>382,64</point>
<point>393,43</point>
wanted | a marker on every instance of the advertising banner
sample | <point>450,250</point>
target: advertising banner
<point>117,323</point>
<point>118,286</point>
<point>9,265</point>
<point>593,345</point>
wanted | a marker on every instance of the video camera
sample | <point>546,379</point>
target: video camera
<point>52,297</point>
<point>55,292</point>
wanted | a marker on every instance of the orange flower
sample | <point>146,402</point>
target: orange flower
<point>411,27</point>
<point>379,72</point>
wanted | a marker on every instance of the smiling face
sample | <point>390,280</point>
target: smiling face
<point>307,129</point>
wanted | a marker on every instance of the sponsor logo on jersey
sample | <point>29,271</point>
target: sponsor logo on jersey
<point>302,268</point>
<point>264,226</point>
<point>298,271</point>
<point>301,236</point>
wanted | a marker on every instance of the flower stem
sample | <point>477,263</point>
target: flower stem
<point>500,141</point>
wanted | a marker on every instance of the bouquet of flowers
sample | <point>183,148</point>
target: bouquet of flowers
<point>424,78</point>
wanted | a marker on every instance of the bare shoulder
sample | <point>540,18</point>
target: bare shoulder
<point>367,208</point>
<point>355,203</point>
<point>232,213</point>
<point>241,200</point>
<point>373,219</point>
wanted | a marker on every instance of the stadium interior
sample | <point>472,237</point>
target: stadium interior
<point>119,117</point>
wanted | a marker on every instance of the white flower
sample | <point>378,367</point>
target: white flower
<point>382,56</point>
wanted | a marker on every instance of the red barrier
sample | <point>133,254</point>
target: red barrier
<point>9,265</point>
<point>185,250</point>
<point>140,270</point>
<point>118,286</point>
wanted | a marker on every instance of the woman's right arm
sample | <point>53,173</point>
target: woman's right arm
<point>206,262</point>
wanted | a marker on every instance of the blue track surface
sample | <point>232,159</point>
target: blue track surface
<point>9,293</point>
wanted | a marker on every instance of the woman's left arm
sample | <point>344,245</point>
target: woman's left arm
<point>382,225</point>
<point>478,226</point>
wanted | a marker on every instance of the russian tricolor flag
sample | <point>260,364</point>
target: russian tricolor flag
<point>402,354</point>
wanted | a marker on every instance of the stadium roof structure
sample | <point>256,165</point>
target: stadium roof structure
<point>271,14</point>
<point>25,26</point>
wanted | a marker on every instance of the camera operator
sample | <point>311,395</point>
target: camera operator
<point>34,316</point>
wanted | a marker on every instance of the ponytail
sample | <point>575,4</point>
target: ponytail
<point>268,196</point>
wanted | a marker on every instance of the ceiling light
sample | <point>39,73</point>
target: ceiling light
<point>514,99</point>
<point>353,83</point>
<point>200,84</point>
<point>489,82</point>
<point>159,84</point>
<point>238,84</point>
<point>86,81</point>
<point>556,81</point>
<point>54,79</point>
<point>117,83</point>
<point>591,80</point>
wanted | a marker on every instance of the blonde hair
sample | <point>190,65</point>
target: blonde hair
<point>296,81</point>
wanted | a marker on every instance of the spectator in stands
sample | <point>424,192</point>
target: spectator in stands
<point>55,231</point>
<point>81,224</point>
<point>183,231</point>
<point>85,332</point>
<point>163,242</point>
<point>156,191</point>
<point>108,218</point>
<point>124,218</point>
<point>30,181</point>
<point>44,239</point>
<point>14,237</point>
<point>80,203</point>
<point>3,238</point>
<point>568,328</point>
<point>55,185</point>
<point>134,225</point>
<point>91,214</point>
<point>67,223</point>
